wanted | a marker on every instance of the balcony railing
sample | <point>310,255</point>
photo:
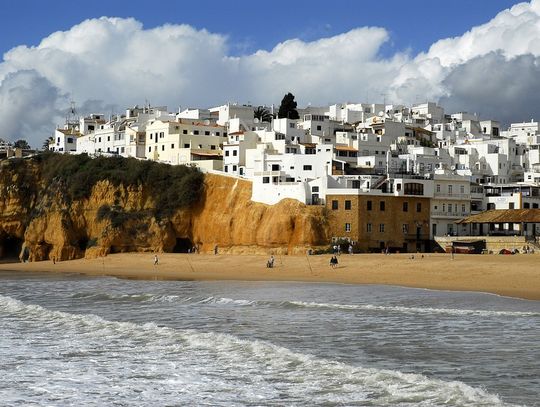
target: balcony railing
<point>451,195</point>
<point>450,214</point>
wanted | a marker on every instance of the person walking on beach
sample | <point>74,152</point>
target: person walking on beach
<point>156,260</point>
<point>215,249</point>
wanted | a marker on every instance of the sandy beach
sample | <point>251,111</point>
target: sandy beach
<point>513,276</point>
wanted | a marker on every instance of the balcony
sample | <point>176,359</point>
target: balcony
<point>447,195</point>
<point>449,215</point>
<point>268,173</point>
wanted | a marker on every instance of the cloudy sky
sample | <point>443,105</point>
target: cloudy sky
<point>480,56</point>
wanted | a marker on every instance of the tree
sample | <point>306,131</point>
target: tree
<point>263,114</point>
<point>287,109</point>
<point>22,144</point>
<point>46,143</point>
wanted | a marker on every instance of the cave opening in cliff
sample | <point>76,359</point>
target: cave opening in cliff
<point>183,245</point>
<point>10,247</point>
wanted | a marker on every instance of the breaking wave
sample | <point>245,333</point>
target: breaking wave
<point>245,371</point>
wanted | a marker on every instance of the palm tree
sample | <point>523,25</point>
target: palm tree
<point>263,114</point>
<point>46,143</point>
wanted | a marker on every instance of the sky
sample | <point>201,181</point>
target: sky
<point>477,56</point>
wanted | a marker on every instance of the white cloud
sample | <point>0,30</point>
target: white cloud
<point>111,63</point>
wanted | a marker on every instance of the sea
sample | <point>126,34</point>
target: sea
<point>71,340</point>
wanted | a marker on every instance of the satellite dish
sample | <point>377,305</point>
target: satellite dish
<point>207,122</point>
<point>381,113</point>
<point>453,167</point>
<point>255,120</point>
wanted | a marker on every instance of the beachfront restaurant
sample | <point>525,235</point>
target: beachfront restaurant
<point>504,222</point>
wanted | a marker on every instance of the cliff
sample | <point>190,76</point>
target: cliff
<point>38,222</point>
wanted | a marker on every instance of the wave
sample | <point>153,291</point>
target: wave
<point>249,370</point>
<point>413,310</point>
<point>99,296</point>
<point>212,300</point>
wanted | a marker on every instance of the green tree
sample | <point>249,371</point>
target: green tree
<point>263,114</point>
<point>287,109</point>
<point>46,143</point>
<point>23,144</point>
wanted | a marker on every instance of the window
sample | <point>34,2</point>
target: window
<point>405,206</point>
<point>226,153</point>
<point>335,205</point>
<point>413,188</point>
<point>405,228</point>
<point>347,227</point>
<point>449,189</point>
<point>235,153</point>
<point>307,167</point>
<point>234,167</point>
<point>511,205</point>
<point>275,167</point>
<point>319,128</point>
<point>438,187</point>
<point>163,147</point>
<point>99,140</point>
<point>186,145</point>
<point>369,205</point>
<point>161,135</point>
<point>463,208</point>
<point>206,133</point>
<point>368,228</point>
<point>196,132</point>
<point>347,205</point>
<point>108,138</point>
<point>381,228</point>
<point>266,180</point>
<point>418,207</point>
<point>212,147</point>
<point>462,189</point>
<point>381,205</point>
<point>150,149</point>
<point>172,145</point>
<point>315,189</point>
<point>184,131</point>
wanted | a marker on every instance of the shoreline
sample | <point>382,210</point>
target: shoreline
<point>516,276</point>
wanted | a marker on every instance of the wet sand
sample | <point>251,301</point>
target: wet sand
<point>513,276</point>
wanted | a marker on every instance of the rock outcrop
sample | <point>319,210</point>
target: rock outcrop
<point>37,223</point>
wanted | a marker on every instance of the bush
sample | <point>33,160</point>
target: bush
<point>173,187</point>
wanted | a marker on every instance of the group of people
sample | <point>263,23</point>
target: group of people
<point>270,262</point>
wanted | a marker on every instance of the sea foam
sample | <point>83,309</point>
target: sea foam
<point>220,369</point>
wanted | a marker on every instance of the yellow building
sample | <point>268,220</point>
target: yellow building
<point>375,222</point>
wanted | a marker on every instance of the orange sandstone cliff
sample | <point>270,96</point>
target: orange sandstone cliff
<point>38,225</point>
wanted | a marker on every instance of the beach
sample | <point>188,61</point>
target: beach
<point>507,275</point>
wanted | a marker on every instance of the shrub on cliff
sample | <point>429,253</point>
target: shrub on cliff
<point>172,187</point>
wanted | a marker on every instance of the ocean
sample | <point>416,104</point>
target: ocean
<point>100,341</point>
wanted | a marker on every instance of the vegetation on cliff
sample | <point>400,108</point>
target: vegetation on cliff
<point>74,176</point>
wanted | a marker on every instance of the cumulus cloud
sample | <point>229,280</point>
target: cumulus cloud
<point>29,106</point>
<point>108,64</point>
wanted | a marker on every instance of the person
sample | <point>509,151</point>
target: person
<point>156,260</point>
<point>215,249</point>
<point>333,262</point>
<point>270,262</point>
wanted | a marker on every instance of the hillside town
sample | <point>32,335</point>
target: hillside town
<point>394,177</point>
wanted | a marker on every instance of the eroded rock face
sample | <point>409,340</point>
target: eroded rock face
<point>39,224</point>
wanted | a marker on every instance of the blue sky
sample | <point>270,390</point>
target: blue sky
<point>251,25</point>
<point>468,55</point>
